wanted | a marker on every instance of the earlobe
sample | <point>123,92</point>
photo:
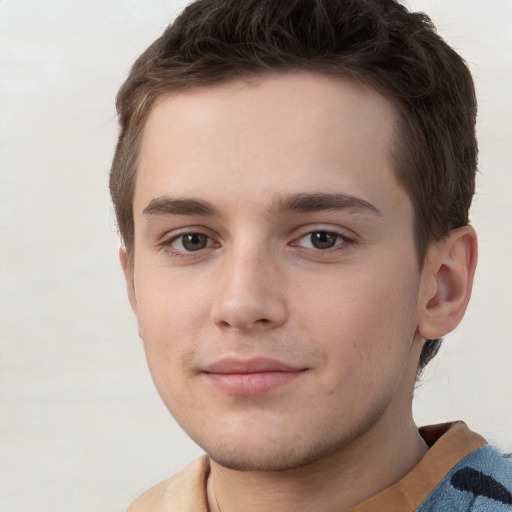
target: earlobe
<point>447,282</point>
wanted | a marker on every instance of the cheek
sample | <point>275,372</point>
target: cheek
<point>169,319</point>
<point>167,306</point>
<point>365,321</point>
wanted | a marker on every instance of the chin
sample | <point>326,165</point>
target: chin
<point>275,454</point>
<point>266,441</point>
<point>264,462</point>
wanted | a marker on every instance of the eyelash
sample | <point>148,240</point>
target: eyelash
<point>167,244</point>
<point>340,242</point>
<point>341,239</point>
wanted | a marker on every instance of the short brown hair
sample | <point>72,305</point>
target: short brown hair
<point>376,42</point>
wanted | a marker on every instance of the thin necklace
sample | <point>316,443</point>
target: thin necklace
<point>214,495</point>
<point>215,498</point>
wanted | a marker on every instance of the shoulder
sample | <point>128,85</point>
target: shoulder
<point>183,492</point>
<point>451,476</point>
<point>481,481</point>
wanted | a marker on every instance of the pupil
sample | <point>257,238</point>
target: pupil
<point>323,240</point>
<point>194,241</point>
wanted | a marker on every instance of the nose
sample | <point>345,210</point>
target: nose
<point>250,292</point>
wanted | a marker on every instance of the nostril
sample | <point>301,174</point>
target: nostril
<point>245,312</point>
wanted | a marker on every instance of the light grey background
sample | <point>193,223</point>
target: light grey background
<point>81,426</point>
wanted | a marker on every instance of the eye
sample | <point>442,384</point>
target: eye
<point>321,240</point>
<point>191,242</point>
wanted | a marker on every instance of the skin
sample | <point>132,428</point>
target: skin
<point>252,282</point>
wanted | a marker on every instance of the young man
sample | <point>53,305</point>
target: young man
<point>292,184</point>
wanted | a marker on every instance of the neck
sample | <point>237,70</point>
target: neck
<point>377,459</point>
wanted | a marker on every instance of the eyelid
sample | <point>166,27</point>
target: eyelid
<point>343,232</point>
<point>347,239</point>
<point>209,241</point>
<point>339,236</point>
<point>166,241</point>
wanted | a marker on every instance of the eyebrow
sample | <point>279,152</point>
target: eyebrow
<point>166,205</point>
<point>303,202</point>
<point>322,201</point>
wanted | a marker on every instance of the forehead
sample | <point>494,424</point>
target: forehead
<point>284,133</point>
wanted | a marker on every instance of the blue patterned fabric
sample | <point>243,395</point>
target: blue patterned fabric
<point>481,482</point>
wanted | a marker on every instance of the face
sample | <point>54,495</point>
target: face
<point>275,279</point>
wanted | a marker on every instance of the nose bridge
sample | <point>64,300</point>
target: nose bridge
<point>250,292</point>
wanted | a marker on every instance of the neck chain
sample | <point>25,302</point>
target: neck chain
<point>214,495</point>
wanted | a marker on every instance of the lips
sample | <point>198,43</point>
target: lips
<point>239,377</point>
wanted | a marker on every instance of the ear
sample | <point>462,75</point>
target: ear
<point>130,284</point>
<point>447,281</point>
